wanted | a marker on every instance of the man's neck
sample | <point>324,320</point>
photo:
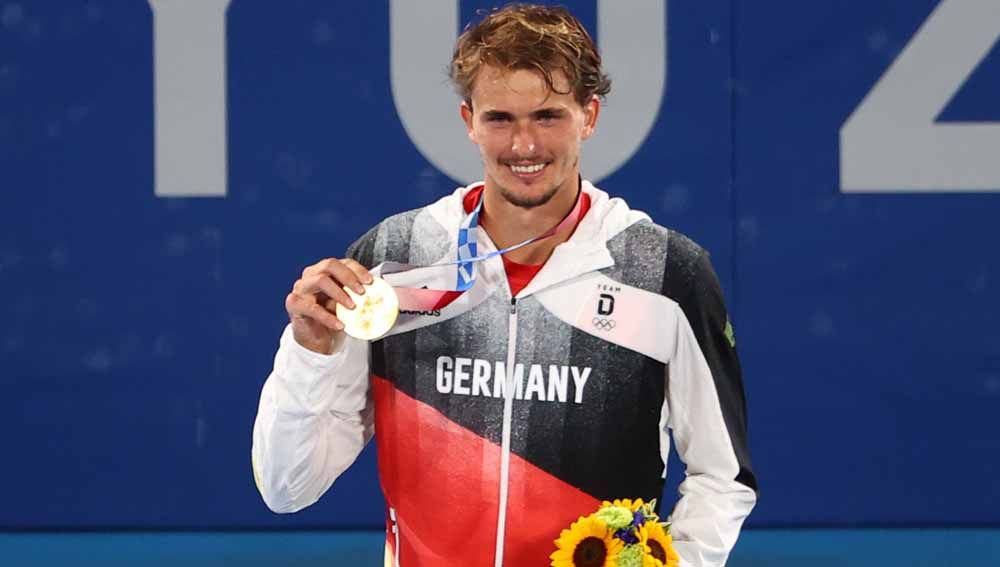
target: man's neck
<point>508,224</point>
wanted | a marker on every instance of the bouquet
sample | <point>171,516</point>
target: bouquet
<point>623,533</point>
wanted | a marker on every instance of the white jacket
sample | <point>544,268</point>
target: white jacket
<point>500,420</point>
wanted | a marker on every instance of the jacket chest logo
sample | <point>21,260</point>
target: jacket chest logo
<point>603,321</point>
<point>482,378</point>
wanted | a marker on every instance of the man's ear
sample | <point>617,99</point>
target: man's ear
<point>465,110</point>
<point>591,111</point>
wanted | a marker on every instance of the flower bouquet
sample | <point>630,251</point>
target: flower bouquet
<point>623,533</point>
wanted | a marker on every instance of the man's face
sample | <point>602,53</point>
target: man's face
<point>529,137</point>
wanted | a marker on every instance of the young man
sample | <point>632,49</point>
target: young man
<point>508,410</point>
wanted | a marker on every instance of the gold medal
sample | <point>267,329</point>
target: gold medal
<point>374,312</point>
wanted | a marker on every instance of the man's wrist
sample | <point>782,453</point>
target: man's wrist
<point>299,363</point>
<point>321,347</point>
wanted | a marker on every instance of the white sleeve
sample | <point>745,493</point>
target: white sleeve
<point>314,418</point>
<point>718,492</point>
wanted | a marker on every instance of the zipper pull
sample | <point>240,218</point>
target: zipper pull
<point>513,305</point>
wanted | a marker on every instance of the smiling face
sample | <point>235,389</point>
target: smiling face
<point>528,135</point>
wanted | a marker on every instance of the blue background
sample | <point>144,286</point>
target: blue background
<point>137,331</point>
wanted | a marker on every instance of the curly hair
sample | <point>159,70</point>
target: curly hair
<point>526,36</point>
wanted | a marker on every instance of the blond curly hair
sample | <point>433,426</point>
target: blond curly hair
<point>544,39</point>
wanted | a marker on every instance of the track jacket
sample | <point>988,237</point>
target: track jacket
<point>500,420</point>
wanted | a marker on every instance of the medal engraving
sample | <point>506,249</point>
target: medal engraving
<point>374,312</point>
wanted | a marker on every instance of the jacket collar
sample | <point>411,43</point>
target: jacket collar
<point>585,251</point>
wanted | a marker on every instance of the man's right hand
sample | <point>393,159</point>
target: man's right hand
<point>312,304</point>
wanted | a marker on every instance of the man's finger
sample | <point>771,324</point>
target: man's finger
<point>323,266</point>
<point>360,271</point>
<point>323,284</point>
<point>305,307</point>
<point>318,313</point>
<point>342,274</point>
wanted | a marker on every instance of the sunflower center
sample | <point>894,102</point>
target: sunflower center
<point>656,550</point>
<point>590,552</point>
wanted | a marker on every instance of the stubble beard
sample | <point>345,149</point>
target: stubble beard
<point>528,202</point>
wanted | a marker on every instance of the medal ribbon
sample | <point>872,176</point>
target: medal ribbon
<point>414,299</point>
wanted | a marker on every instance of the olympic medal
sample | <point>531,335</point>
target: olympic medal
<point>374,312</point>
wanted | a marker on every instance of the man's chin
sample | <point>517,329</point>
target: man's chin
<point>528,200</point>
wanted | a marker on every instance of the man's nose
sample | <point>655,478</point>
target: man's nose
<point>523,142</point>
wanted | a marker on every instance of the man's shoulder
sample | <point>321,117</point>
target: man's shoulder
<point>646,254</point>
<point>393,238</point>
<point>646,237</point>
<point>651,256</point>
<point>634,227</point>
<point>445,210</point>
<point>402,220</point>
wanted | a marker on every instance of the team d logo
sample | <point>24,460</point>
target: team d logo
<point>605,307</point>
<point>606,304</point>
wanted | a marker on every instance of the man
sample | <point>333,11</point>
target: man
<point>506,411</point>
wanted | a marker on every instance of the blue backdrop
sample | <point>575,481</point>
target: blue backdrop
<point>137,330</point>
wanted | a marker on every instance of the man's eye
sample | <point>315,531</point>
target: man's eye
<point>494,118</point>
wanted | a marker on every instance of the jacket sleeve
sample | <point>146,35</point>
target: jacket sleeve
<point>315,414</point>
<point>709,424</point>
<point>314,418</point>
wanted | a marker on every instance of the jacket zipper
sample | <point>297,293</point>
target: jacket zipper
<point>508,408</point>
<point>395,535</point>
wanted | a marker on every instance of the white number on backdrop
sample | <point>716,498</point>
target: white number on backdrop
<point>891,142</point>
<point>632,35</point>
<point>190,76</point>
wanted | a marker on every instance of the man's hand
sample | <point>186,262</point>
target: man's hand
<point>313,301</point>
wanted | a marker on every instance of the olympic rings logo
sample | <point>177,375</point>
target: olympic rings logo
<point>602,324</point>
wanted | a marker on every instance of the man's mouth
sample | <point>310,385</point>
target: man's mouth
<point>527,170</point>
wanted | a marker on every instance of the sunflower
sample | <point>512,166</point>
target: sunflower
<point>632,505</point>
<point>659,545</point>
<point>587,543</point>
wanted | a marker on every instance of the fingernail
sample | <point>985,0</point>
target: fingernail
<point>349,304</point>
<point>339,326</point>
<point>359,290</point>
